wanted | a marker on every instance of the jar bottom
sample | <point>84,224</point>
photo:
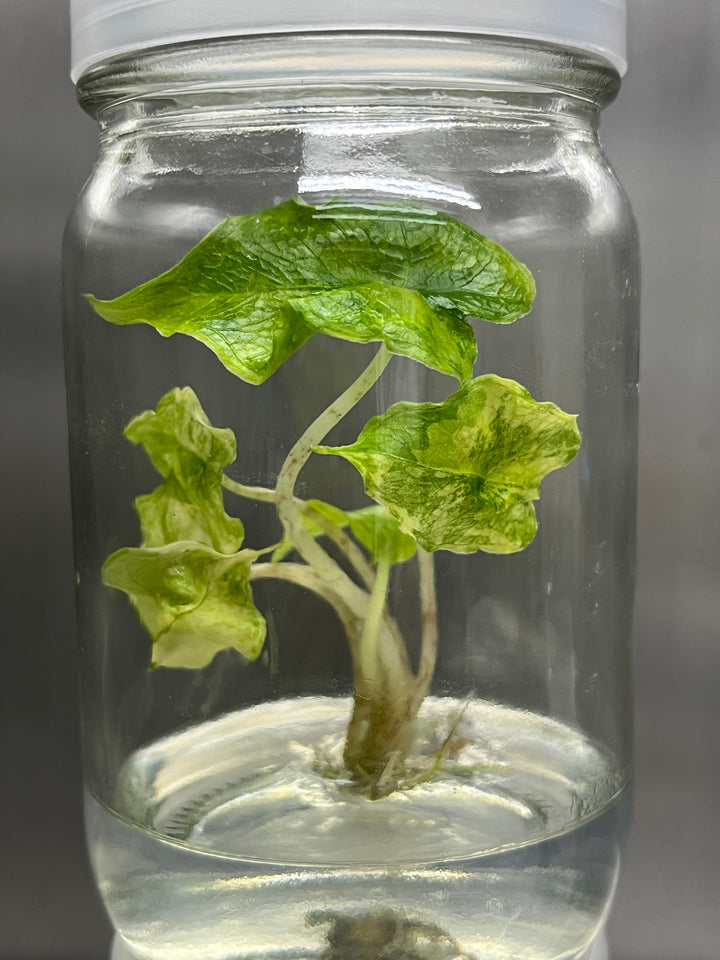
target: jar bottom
<point>598,950</point>
<point>309,878</point>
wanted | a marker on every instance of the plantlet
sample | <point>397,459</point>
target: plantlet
<point>460,475</point>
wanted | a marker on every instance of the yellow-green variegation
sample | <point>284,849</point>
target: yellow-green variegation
<point>191,455</point>
<point>193,601</point>
<point>189,580</point>
<point>461,475</point>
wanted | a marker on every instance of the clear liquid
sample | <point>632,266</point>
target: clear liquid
<point>233,843</point>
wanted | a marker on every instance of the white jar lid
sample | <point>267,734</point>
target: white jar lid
<point>107,28</point>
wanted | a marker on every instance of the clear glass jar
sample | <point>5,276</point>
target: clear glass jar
<point>224,818</point>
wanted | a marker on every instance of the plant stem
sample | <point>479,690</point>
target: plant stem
<point>304,576</point>
<point>387,693</point>
<point>368,659</point>
<point>343,542</point>
<point>306,545</point>
<point>428,623</point>
<point>264,494</point>
<point>351,551</point>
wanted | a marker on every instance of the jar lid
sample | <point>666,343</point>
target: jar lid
<point>108,28</point>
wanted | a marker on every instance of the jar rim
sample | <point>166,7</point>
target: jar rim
<point>102,29</point>
<point>280,67</point>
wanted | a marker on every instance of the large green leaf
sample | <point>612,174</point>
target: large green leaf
<point>259,285</point>
<point>402,319</point>
<point>461,475</point>
<point>193,600</point>
<point>191,454</point>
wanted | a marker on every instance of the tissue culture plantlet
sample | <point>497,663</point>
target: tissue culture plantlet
<point>460,475</point>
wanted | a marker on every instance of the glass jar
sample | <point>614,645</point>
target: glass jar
<point>308,730</point>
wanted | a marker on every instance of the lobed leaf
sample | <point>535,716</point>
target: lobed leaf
<point>461,475</point>
<point>188,584</point>
<point>193,600</point>
<point>259,285</point>
<point>191,454</point>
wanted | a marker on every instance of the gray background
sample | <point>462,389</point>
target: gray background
<point>664,137</point>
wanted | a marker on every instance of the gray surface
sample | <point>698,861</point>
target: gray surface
<point>664,136</point>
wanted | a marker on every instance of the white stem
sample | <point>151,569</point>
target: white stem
<point>264,494</point>
<point>428,623</point>
<point>343,542</point>
<point>305,543</point>
<point>304,576</point>
<point>353,553</point>
<point>368,655</point>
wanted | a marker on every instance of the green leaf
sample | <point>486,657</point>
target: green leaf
<point>188,584</point>
<point>191,454</point>
<point>327,511</point>
<point>259,285</point>
<point>413,246</point>
<point>380,532</point>
<point>373,526</point>
<point>402,319</point>
<point>193,600</point>
<point>461,475</point>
